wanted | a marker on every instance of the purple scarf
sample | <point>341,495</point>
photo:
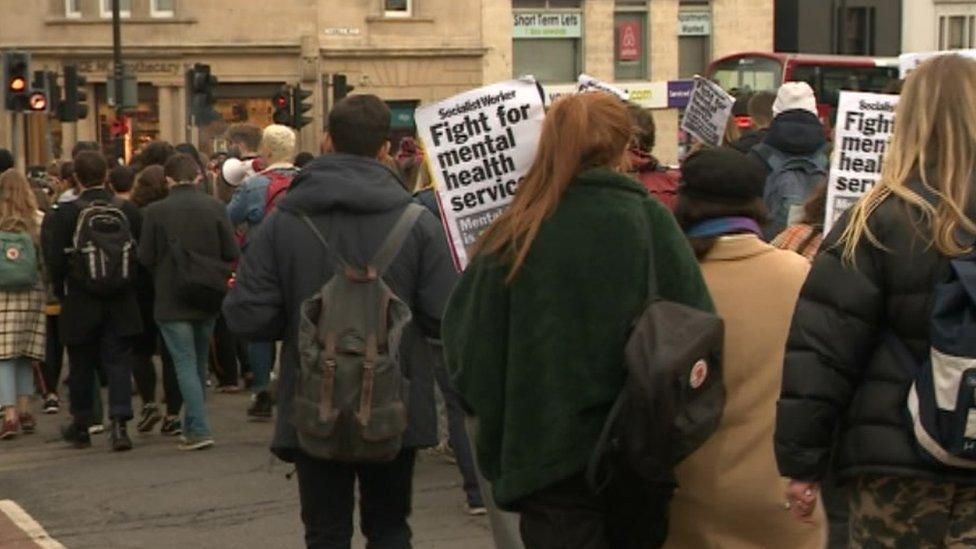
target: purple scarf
<point>722,226</point>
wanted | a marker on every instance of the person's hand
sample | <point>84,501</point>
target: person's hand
<point>801,499</point>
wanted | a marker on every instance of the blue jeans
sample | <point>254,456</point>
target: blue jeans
<point>189,344</point>
<point>261,355</point>
<point>16,379</point>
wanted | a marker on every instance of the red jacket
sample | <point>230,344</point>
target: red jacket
<point>662,182</point>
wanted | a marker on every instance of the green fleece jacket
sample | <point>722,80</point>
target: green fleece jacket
<point>540,361</point>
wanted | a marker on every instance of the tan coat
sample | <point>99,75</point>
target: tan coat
<point>731,495</point>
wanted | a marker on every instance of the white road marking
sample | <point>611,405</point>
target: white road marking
<point>28,525</point>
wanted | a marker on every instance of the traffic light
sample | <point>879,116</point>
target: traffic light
<point>73,108</point>
<point>340,88</point>
<point>282,106</point>
<point>201,85</point>
<point>16,71</point>
<point>37,96</point>
<point>299,107</point>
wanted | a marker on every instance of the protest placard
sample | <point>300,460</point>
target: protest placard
<point>708,111</point>
<point>479,145</point>
<point>865,122</point>
<point>907,62</point>
<point>586,83</point>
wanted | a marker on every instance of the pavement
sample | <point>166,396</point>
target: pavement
<point>232,495</point>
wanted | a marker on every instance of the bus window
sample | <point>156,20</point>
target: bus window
<point>863,79</point>
<point>749,74</point>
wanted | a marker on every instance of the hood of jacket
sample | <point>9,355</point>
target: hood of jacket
<point>796,132</point>
<point>345,182</point>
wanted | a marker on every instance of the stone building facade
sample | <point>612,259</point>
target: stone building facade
<point>406,51</point>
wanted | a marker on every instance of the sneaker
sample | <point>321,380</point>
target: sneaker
<point>8,429</point>
<point>96,429</point>
<point>476,509</point>
<point>119,437</point>
<point>27,424</point>
<point>150,417</point>
<point>260,409</point>
<point>171,427</point>
<point>228,389</point>
<point>76,435</point>
<point>51,404</point>
<point>195,443</point>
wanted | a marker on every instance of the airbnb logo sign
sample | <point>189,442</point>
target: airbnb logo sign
<point>629,41</point>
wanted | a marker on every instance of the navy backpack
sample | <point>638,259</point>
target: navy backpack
<point>942,400</point>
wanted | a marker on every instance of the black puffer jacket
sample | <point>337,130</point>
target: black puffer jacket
<point>842,377</point>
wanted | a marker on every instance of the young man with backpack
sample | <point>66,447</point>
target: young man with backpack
<point>794,153</point>
<point>188,244</point>
<point>251,202</point>
<point>336,272</point>
<point>90,250</point>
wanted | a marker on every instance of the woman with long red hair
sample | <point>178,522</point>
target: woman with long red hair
<point>534,334</point>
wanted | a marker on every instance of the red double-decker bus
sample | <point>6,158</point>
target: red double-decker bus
<point>827,74</point>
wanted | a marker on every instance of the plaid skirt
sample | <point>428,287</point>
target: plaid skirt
<point>22,323</point>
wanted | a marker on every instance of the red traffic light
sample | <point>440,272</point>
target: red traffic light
<point>37,102</point>
<point>17,84</point>
<point>281,101</point>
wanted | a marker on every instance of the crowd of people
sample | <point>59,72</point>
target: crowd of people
<point>337,269</point>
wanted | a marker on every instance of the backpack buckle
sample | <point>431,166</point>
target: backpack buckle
<point>355,275</point>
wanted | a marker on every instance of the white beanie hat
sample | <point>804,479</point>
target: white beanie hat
<point>795,95</point>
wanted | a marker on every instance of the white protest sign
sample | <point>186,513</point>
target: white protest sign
<point>479,145</point>
<point>907,62</point>
<point>708,112</point>
<point>650,95</point>
<point>587,83</point>
<point>865,122</point>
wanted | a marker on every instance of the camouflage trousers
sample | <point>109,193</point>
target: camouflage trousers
<point>909,513</point>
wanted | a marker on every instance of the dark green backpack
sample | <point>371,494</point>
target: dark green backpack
<point>18,259</point>
<point>351,395</point>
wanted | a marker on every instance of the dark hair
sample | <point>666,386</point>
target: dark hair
<point>182,168</point>
<point>121,178</point>
<point>155,153</point>
<point>815,208</point>
<point>248,135</point>
<point>188,148</point>
<point>303,158</point>
<point>6,160</point>
<point>359,125</point>
<point>644,130</point>
<point>90,169</point>
<point>691,211</point>
<point>150,186</point>
<point>66,170</point>
<point>761,106</point>
<point>83,146</point>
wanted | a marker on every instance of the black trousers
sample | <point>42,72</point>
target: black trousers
<point>225,352</point>
<point>144,372</point>
<point>114,353</point>
<point>629,514</point>
<point>53,356</point>
<point>385,491</point>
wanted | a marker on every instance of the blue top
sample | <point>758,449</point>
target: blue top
<point>247,204</point>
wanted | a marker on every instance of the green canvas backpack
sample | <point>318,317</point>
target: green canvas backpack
<point>18,259</point>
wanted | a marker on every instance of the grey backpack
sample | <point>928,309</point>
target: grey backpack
<point>351,395</point>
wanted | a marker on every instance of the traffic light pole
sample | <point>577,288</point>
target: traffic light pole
<point>118,71</point>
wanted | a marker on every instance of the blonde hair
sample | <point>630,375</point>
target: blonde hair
<point>278,143</point>
<point>18,205</point>
<point>935,141</point>
<point>580,131</point>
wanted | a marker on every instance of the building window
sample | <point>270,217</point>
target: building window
<point>125,8</point>
<point>72,9</point>
<point>694,38</point>
<point>856,31</point>
<point>630,40</point>
<point>397,8</point>
<point>161,8</point>
<point>547,39</point>
<point>956,32</point>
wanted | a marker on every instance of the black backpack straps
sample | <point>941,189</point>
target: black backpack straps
<point>394,241</point>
